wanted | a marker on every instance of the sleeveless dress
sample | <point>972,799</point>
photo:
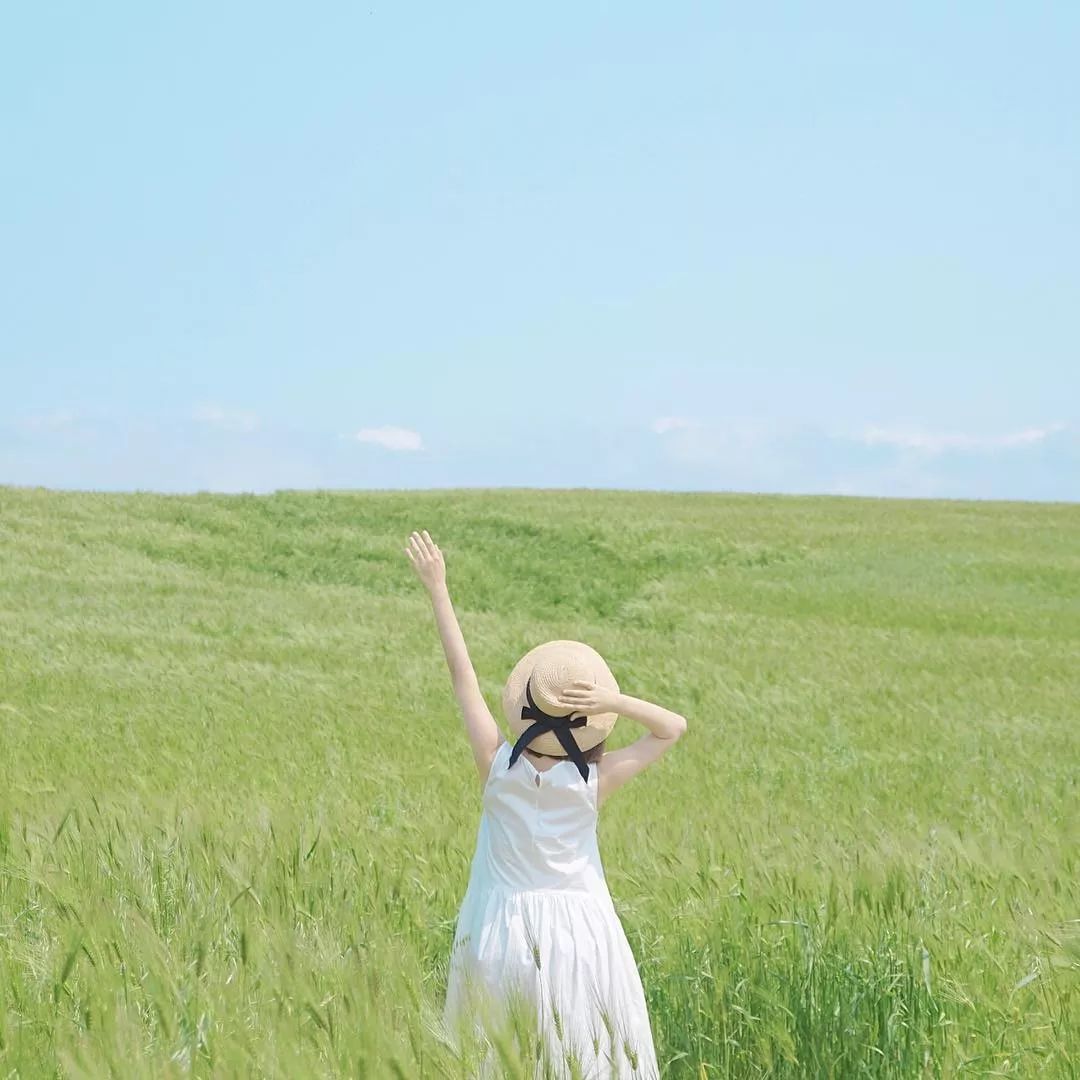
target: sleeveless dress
<point>537,924</point>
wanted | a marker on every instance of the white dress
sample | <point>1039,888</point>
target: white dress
<point>537,920</point>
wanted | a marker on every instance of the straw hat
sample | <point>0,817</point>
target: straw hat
<point>548,670</point>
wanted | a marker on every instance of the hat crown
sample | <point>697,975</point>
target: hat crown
<point>551,677</point>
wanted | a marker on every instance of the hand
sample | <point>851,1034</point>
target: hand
<point>586,697</point>
<point>427,560</point>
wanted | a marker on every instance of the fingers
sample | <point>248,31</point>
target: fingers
<point>418,556</point>
<point>423,545</point>
<point>575,697</point>
<point>580,686</point>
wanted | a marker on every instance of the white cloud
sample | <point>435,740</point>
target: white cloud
<point>1030,435</point>
<point>722,444</point>
<point>664,424</point>
<point>56,420</point>
<point>392,438</point>
<point>235,420</point>
<point>930,443</point>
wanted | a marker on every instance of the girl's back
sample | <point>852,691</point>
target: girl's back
<point>538,828</point>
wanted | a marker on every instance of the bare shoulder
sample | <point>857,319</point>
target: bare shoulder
<point>485,759</point>
<point>618,766</point>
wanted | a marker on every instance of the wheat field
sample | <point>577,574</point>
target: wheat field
<point>237,805</point>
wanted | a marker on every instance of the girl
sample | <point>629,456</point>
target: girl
<point>537,925</point>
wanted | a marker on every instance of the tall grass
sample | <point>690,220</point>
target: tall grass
<point>237,805</point>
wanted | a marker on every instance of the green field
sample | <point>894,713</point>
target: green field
<point>237,805</point>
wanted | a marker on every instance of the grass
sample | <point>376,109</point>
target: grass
<point>237,805</point>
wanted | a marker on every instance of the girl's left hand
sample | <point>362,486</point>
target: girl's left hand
<point>586,697</point>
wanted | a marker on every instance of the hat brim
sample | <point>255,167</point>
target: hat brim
<point>558,663</point>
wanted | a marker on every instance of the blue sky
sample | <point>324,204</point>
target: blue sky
<point>801,248</point>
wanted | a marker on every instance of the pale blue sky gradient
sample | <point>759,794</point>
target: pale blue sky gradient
<point>789,247</point>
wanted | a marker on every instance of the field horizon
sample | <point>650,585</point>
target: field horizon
<point>237,805</point>
<point>483,490</point>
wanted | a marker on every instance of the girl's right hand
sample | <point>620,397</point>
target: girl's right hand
<point>588,697</point>
<point>427,560</point>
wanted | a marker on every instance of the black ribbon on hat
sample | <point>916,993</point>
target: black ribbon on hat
<point>559,725</point>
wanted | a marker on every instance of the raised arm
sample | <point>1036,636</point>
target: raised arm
<point>618,766</point>
<point>480,726</point>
